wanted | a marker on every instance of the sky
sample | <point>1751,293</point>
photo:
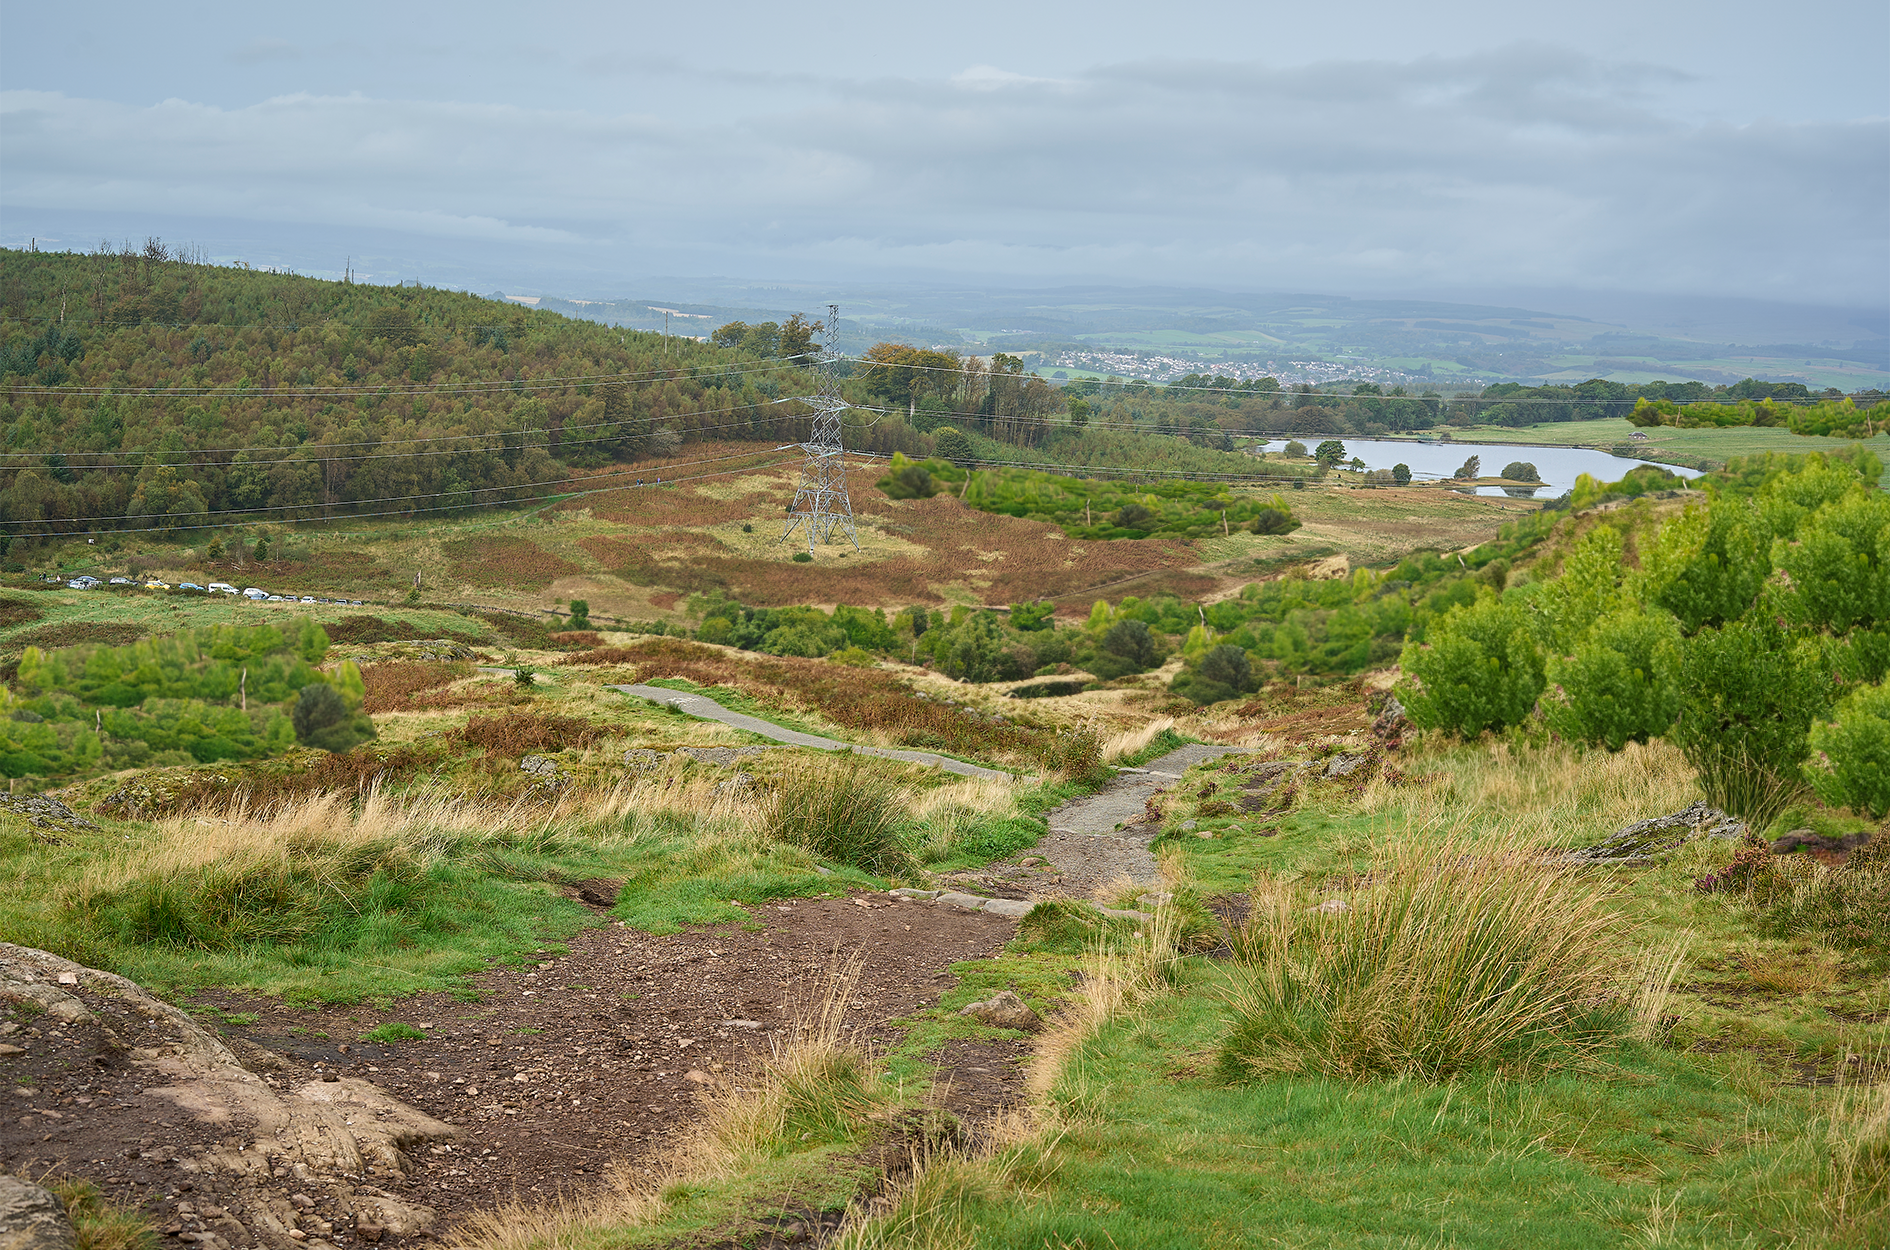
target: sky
<point>1678,148</point>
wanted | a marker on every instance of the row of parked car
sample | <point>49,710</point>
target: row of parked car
<point>254,594</point>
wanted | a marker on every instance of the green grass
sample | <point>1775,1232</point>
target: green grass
<point>394,1031</point>
<point>1151,1150</point>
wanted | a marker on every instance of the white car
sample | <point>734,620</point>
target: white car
<point>277,599</point>
<point>121,581</point>
<point>255,594</point>
<point>85,582</point>
<point>221,588</point>
<point>308,599</point>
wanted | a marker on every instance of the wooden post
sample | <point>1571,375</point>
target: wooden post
<point>1224,533</point>
<point>242,689</point>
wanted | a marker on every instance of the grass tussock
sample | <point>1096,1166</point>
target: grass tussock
<point>844,812</point>
<point>99,1224</point>
<point>1857,1136</point>
<point>1450,955</point>
<point>1133,742</point>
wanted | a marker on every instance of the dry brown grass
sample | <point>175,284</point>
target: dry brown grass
<point>1556,795</point>
<point>391,686</point>
<point>506,562</point>
<point>870,700</point>
<point>517,733</point>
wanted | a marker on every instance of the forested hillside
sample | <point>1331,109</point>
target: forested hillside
<point>139,390</point>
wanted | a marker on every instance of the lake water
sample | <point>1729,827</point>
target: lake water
<point>1557,466</point>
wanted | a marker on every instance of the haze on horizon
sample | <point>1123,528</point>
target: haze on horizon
<point>1678,150</point>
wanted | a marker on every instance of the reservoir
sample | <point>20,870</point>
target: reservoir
<point>1558,466</point>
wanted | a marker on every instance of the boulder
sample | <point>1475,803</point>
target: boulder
<point>1005,1010</point>
<point>32,1218</point>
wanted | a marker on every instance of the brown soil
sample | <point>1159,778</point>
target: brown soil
<point>551,1073</point>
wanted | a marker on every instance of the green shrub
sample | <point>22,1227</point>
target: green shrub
<point>1853,751</point>
<point>1480,670</point>
<point>1222,672</point>
<point>323,719</point>
<point>845,813</point>
<point>1706,565</point>
<point>801,557</point>
<point>1747,695</point>
<point>1618,686</point>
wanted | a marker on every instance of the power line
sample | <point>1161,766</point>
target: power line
<point>350,503</point>
<point>603,490</point>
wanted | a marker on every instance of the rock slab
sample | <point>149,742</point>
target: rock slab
<point>32,1218</point>
<point>1005,1010</point>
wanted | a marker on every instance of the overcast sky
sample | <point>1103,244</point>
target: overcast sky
<point>1683,148</point>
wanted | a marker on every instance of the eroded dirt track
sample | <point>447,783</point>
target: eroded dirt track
<point>596,1056</point>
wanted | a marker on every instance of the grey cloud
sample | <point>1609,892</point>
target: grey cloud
<point>1521,166</point>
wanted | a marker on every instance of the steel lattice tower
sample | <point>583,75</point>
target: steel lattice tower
<point>821,504</point>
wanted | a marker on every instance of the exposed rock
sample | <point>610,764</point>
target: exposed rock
<point>1641,842</point>
<point>1015,908</point>
<point>32,1218</point>
<point>321,1128</point>
<point>1332,907</point>
<point>1344,765</point>
<point>724,756</point>
<point>47,816</point>
<point>1005,1010</point>
<point>539,765</point>
<point>1391,723</point>
<point>643,760</point>
<point>736,787</point>
<point>1806,839</point>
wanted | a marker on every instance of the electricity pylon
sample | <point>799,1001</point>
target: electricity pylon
<point>821,505</point>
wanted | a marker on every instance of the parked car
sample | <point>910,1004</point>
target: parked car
<point>275,599</point>
<point>255,594</point>
<point>155,584</point>
<point>83,582</point>
<point>221,588</point>
<point>121,581</point>
<point>188,586</point>
<point>308,598</point>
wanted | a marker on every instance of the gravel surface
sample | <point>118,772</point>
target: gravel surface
<point>1100,837</point>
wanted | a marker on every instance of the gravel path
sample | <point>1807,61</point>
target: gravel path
<point>1097,838</point>
<point>708,709</point>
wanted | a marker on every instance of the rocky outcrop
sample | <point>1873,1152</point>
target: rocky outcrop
<point>332,1133</point>
<point>1648,839</point>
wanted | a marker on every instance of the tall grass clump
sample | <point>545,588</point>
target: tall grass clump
<point>1449,955</point>
<point>814,1088</point>
<point>1857,1135</point>
<point>843,812</point>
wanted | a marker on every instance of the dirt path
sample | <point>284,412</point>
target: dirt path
<point>1102,836</point>
<point>708,709</point>
<point>552,1072</point>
